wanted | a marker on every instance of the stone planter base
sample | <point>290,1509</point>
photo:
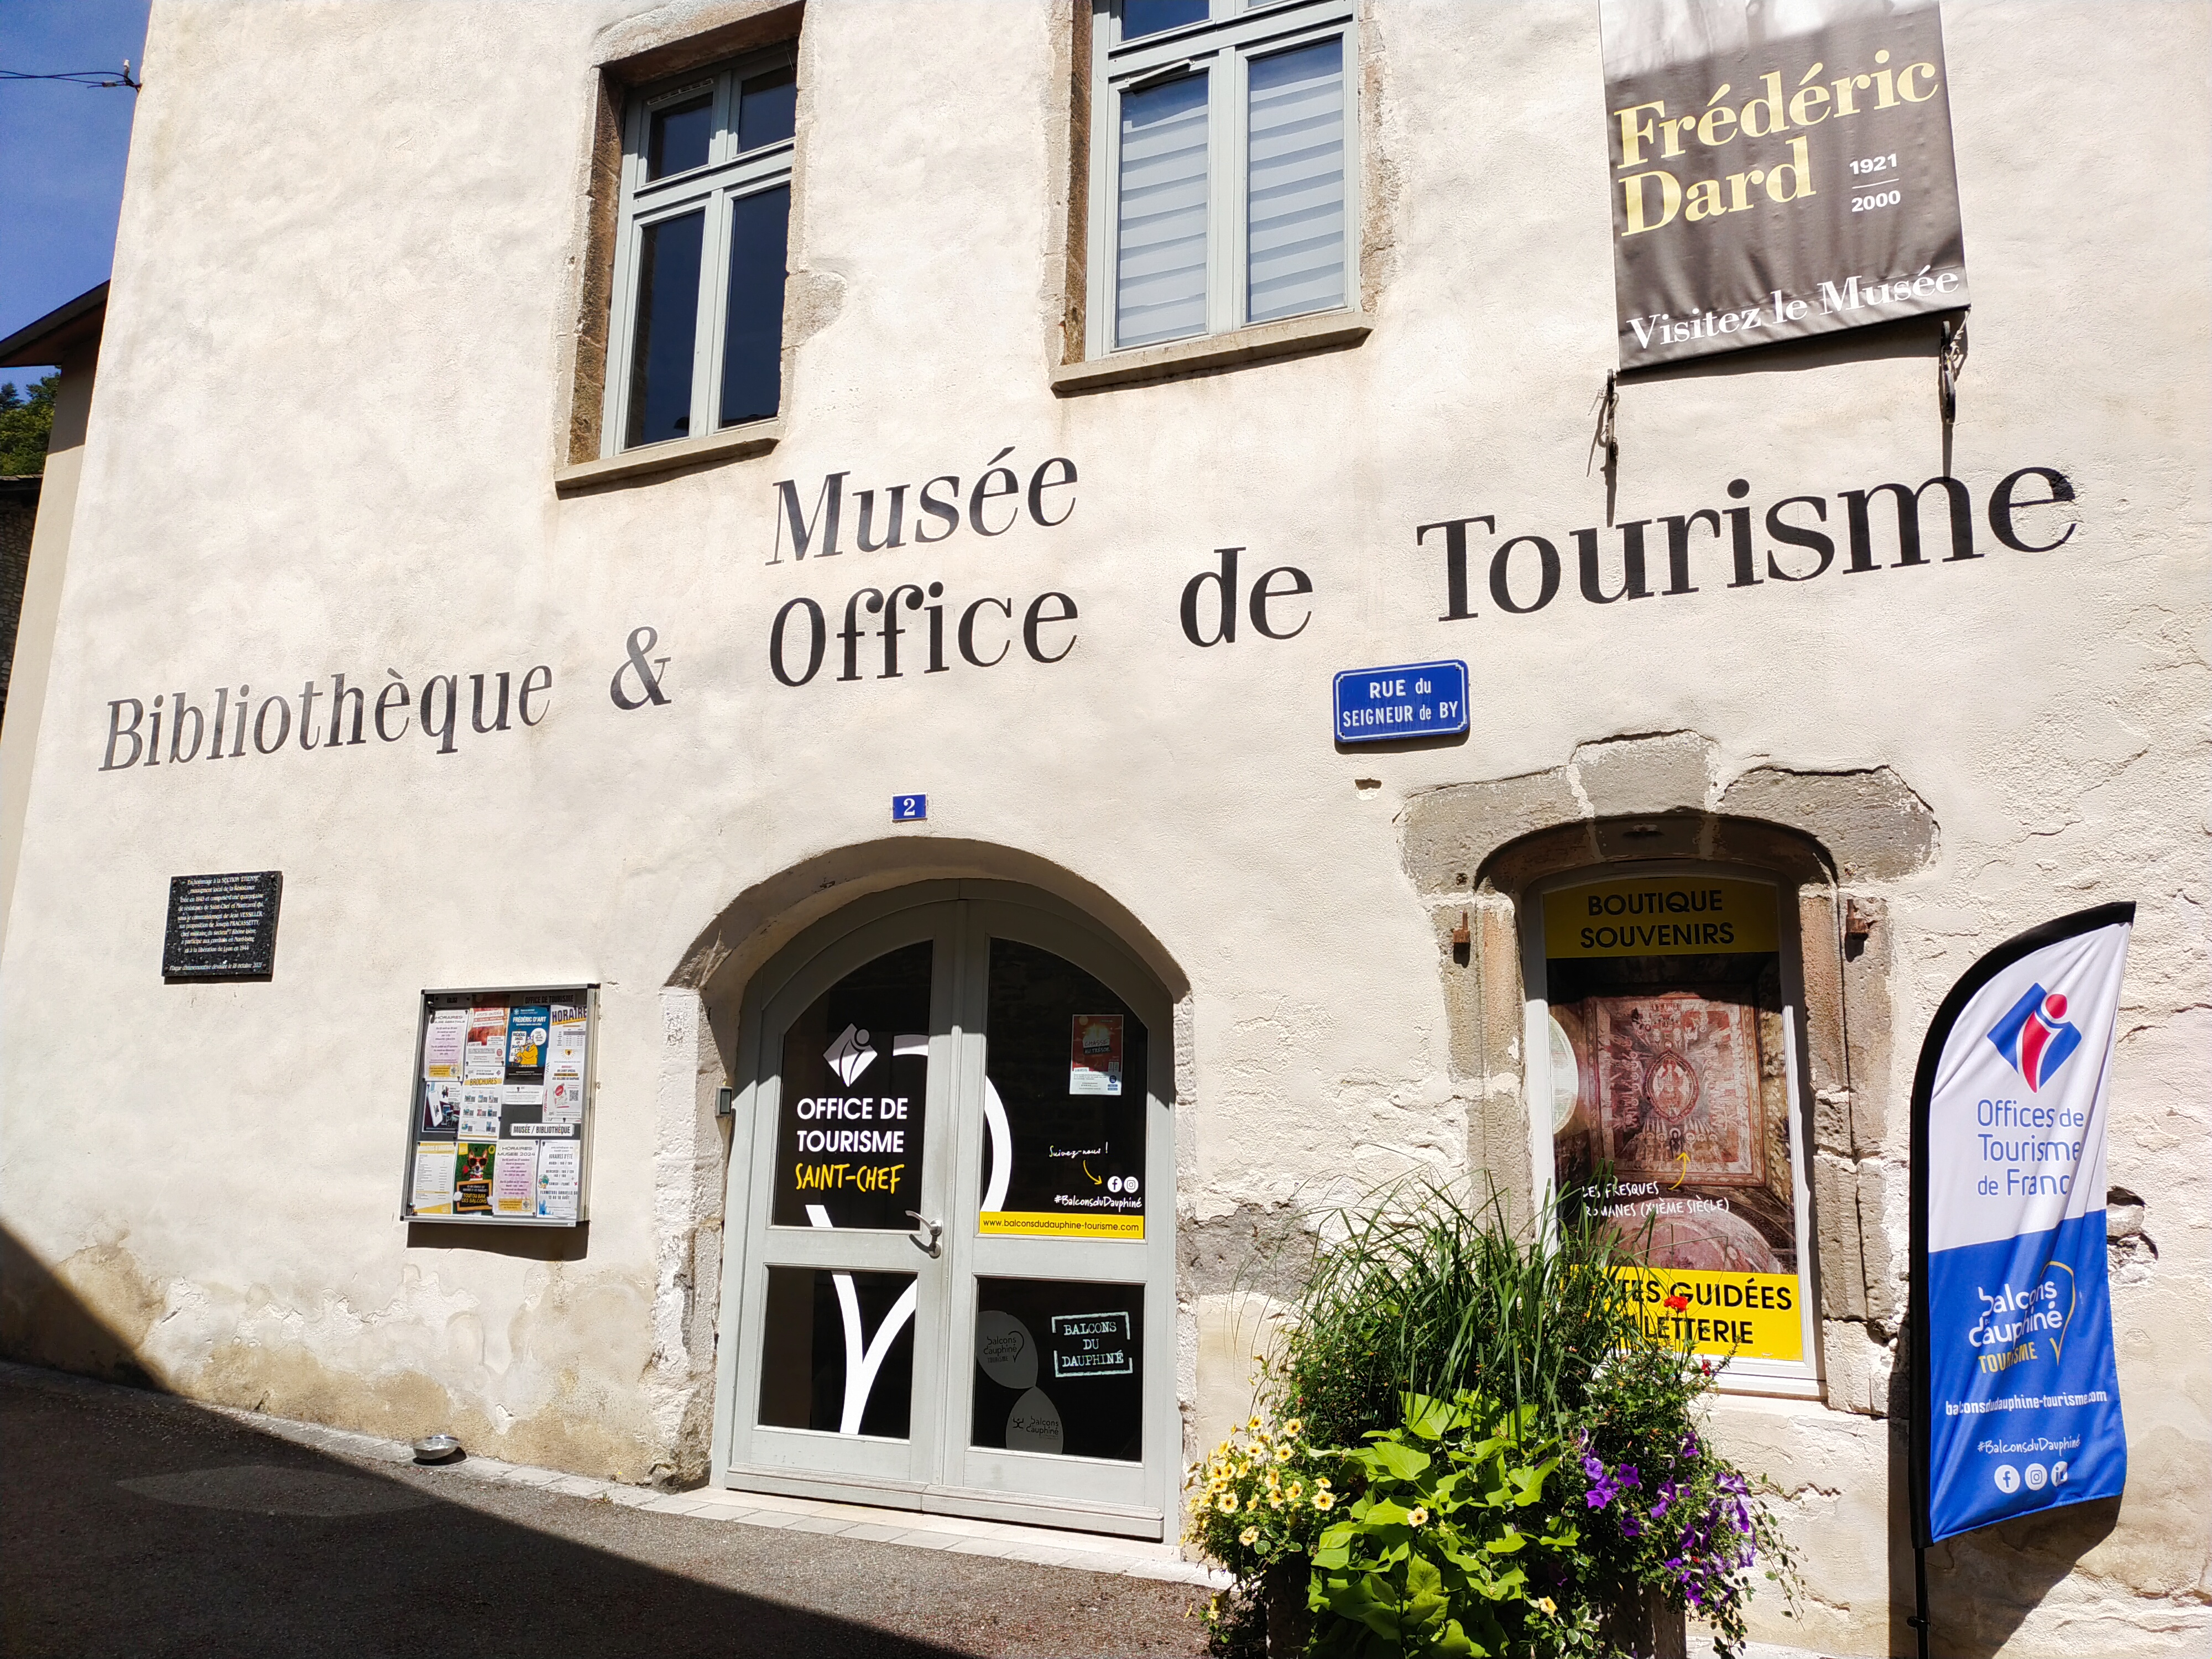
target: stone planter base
<point>1647,1626</point>
<point>1290,1621</point>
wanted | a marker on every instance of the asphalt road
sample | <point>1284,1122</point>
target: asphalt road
<point>141,1525</point>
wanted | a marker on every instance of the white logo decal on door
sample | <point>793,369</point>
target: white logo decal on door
<point>849,1056</point>
<point>863,1358</point>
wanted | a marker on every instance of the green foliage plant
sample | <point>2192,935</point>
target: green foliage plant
<point>26,424</point>
<point>1450,1547</point>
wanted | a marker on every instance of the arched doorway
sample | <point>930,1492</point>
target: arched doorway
<point>949,1245</point>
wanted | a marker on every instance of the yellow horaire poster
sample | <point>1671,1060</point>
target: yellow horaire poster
<point>1671,1099</point>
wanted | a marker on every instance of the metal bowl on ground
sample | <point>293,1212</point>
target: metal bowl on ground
<point>437,1448</point>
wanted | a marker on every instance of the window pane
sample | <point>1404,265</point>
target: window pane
<point>1064,1108</point>
<point>667,328</point>
<point>1297,196</point>
<point>837,1351</point>
<point>767,109</point>
<point>1142,17</point>
<point>680,136</point>
<point>1059,1367</point>
<point>1160,272</point>
<point>853,1087</point>
<point>752,329</point>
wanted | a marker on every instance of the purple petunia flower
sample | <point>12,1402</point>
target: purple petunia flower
<point>1603,1488</point>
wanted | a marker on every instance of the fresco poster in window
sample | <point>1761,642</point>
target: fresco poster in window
<point>1671,1099</point>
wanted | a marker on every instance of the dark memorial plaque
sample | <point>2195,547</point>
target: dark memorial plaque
<point>222,926</point>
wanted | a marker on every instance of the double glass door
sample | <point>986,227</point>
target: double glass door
<point>954,1287</point>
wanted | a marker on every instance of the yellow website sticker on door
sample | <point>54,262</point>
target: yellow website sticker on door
<point>1040,1223</point>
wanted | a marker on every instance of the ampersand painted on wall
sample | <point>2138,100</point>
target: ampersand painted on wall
<point>641,640</point>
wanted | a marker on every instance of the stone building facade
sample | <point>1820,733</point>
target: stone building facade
<point>378,418</point>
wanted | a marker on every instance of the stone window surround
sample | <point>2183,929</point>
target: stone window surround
<point>1472,849</point>
<point>628,57</point>
<point>1068,264</point>
<point>690,34</point>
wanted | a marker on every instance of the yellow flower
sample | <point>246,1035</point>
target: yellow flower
<point>1296,1426</point>
<point>1254,1425</point>
<point>1275,1500</point>
<point>1248,1537</point>
<point>1226,1502</point>
<point>1298,1490</point>
<point>1322,1483</point>
<point>1548,1605</point>
<point>1324,1500</point>
<point>1282,1454</point>
<point>1419,1516</point>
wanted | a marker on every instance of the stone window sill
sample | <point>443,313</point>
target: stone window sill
<point>738,443</point>
<point>1295,336</point>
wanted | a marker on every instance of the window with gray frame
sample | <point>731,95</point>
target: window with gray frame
<point>696,344</point>
<point>1223,149</point>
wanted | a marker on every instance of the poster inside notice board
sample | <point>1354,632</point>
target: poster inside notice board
<point>499,1121</point>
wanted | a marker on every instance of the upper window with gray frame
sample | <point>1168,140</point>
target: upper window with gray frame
<point>1222,187</point>
<point>697,342</point>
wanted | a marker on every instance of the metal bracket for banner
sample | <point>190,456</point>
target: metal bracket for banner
<point>1606,438</point>
<point>1919,1618</point>
<point>1949,361</point>
<point>1608,406</point>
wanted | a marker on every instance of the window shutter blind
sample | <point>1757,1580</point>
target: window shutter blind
<point>1295,224</point>
<point>1159,276</point>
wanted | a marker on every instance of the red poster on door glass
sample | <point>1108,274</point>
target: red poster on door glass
<point>1094,1066</point>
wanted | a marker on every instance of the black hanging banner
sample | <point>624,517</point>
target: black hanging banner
<point>1777,172</point>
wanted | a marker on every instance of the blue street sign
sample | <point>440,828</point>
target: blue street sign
<point>910,809</point>
<point>1414,700</point>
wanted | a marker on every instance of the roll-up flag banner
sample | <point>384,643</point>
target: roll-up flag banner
<point>2015,1396</point>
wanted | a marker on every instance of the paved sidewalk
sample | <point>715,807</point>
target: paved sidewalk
<point>1038,1546</point>
<point>138,1523</point>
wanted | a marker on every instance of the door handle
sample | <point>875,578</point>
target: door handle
<point>926,1235</point>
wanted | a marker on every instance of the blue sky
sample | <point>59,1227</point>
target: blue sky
<point>64,146</point>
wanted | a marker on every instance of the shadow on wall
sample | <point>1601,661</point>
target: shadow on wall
<point>44,1322</point>
<point>1982,1585</point>
<point>140,1523</point>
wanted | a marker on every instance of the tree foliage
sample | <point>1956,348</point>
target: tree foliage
<point>26,423</point>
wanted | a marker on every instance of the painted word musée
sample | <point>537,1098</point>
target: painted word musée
<point>993,505</point>
<point>1526,571</point>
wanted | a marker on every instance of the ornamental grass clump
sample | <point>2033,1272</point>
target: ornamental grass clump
<point>1421,1291</point>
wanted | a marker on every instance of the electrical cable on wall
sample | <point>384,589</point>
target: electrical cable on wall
<point>96,78</point>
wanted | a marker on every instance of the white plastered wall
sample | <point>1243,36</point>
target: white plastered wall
<point>328,408</point>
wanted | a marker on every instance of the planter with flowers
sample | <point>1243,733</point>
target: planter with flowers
<point>1471,1446</point>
